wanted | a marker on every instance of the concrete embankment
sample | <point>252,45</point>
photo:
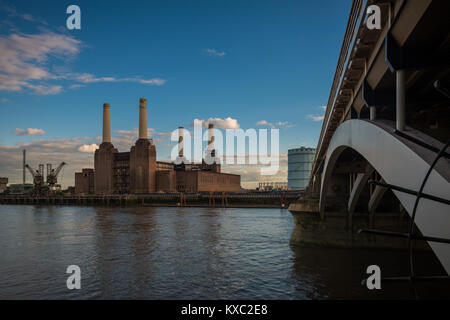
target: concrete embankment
<point>251,200</point>
<point>338,229</point>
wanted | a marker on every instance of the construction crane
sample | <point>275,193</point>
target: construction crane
<point>38,180</point>
<point>52,175</point>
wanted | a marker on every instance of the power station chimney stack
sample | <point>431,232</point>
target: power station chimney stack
<point>143,157</point>
<point>180,142</point>
<point>143,118</point>
<point>24,164</point>
<point>210,136</point>
<point>106,123</point>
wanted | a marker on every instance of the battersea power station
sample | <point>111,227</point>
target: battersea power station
<point>138,171</point>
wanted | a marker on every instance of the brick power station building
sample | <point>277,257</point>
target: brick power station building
<point>138,172</point>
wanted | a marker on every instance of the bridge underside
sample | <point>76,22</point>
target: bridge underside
<point>382,155</point>
<point>390,84</point>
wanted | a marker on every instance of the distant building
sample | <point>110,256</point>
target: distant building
<point>271,186</point>
<point>192,181</point>
<point>20,188</point>
<point>300,162</point>
<point>70,190</point>
<point>84,181</point>
<point>3,184</point>
<point>138,172</point>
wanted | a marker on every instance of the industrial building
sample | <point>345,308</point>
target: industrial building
<point>300,162</point>
<point>84,181</point>
<point>138,172</point>
<point>19,188</point>
<point>272,186</point>
<point>3,184</point>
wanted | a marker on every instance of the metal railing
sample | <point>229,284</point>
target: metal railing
<point>412,277</point>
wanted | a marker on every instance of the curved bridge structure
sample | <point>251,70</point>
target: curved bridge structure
<point>399,162</point>
<point>387,114</point>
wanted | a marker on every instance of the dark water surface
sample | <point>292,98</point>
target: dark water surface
<point>178,253</point>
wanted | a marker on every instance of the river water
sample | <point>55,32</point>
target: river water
<point>179,253</point>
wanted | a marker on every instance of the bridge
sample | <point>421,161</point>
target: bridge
<point>381,174</point>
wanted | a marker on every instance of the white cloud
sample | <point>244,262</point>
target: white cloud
<point>90,78</point>
<point>155,81</point>
<point>214,52</point>
<point>227,123</point>
<point>124,139</point>
<point>165,134</point>
<point>12,12</point>
<point>45,89</point>
<point>28,132</point>
<point>315,118</point>
<point>265,123</point>
<point>284,124</point>
<point>76,86</point>
<point>88,148</point>
<point>27,62</point>
<point>23,60</point>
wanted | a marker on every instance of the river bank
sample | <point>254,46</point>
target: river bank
<point>252,200</point>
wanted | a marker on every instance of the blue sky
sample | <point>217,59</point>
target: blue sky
<point>252,61</point>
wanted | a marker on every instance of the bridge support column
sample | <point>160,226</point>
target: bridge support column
<point>374,201</point>
<point>358,186</point>
<point>400,100</point>
<point>373,113</point>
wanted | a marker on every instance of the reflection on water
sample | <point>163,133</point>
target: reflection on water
<point>180,253</point>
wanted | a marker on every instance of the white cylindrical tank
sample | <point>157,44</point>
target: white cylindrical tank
<point>300,162</point>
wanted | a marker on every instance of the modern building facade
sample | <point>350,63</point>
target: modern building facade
<point>300,162</point>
